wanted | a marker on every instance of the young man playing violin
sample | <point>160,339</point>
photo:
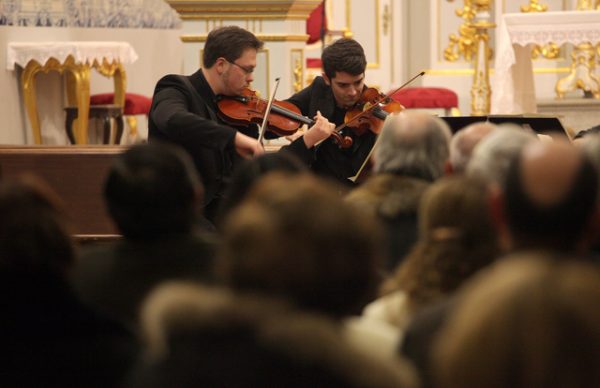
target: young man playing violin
<point>184,111</point>
<point>338,90</point>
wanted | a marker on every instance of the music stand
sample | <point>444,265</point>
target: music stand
<point>546,125</point>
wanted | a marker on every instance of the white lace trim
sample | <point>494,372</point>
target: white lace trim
<point>82,52</point>
<point>558,27</point>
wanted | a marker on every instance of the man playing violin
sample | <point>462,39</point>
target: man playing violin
<point>333,94</point>
<point>184,111</point>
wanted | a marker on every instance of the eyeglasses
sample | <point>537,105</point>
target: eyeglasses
<point>246,70</point>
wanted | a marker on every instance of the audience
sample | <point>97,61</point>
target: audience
<point>411,153</point>
<point>216,338</point>
<point>297,261</point>
<point>492,156</point>
<point>250,171</point>
<point>464,141</point>
<point>456,239</point>
<point>49,338</point>
<point>549,200</point>
<point>530,322</point>
<point>152,192</point>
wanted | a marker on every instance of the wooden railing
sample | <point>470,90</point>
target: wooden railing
<point>76,174</point>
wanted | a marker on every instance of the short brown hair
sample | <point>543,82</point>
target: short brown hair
<point>344,55</point>
<point>294,237</point>
<point>228,42</point>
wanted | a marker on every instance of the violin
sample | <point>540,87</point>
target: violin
<point>370,112</point>
<point>284,118</point>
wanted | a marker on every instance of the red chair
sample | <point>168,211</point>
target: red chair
<point>135,104</point>
<point>427,98</point>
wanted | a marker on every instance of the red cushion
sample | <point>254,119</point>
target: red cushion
<point>313,63</point>
<point>135,104</point>
<point>426,97</point>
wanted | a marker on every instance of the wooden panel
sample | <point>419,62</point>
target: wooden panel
<point>76,173</point>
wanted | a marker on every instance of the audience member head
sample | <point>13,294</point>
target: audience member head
<point>464,141</point>
<point>295,238</point>
<point>581,136</point>
<point>229,43</point>
<point>456,239</point>
<point>527,323</point>
<point>34,234</point>
<point>153,191</point>
<point>343,55</point>
<point>413,144</point>
<point>251,170</point>
<point>209,337</point>
<point>549,199</point>
<point>492,156</point>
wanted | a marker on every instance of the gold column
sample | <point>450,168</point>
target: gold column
<point>481,90</point>
<point>583,68</point>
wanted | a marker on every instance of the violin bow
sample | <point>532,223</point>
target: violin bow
<point>364,164</point>
<point>263,127</point>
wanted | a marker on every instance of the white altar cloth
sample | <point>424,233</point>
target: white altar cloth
<point>83,52</point>
<point>160,52</point>
<point>513,90</point>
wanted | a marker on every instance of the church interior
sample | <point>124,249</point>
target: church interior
<point>461,250</point>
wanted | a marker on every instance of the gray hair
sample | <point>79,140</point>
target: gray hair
<point>493,155</point>
<point>414,144</point>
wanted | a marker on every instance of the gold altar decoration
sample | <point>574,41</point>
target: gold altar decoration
<point>534,6</point>
<point>481,90</point>
<point>463,44</point>
<point>243,9</point>
<point>78,90</point>
<point>550,50</point>
<point>583,64</point>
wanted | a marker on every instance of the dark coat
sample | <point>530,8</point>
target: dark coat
<point>331,160</point>
<point>186,114</point>
<point>184,111</point>
<point>115,278</point>
<point>49,339</point>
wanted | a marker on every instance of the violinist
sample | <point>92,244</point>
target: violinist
<point>185,112</point>
<point>333,94</point>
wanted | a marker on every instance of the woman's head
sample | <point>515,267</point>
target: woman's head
<point>456,239</point>
<point>34,235</point>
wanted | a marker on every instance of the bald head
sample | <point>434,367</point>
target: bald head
<point>464,141</point>
<point>548,171</point>
<point>550,196</point>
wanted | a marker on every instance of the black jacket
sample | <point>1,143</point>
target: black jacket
<point>331,160</point>
<point>184,111</point>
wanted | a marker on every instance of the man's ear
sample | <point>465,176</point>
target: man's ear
<point>220,65</point>
<point>326,79</point>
